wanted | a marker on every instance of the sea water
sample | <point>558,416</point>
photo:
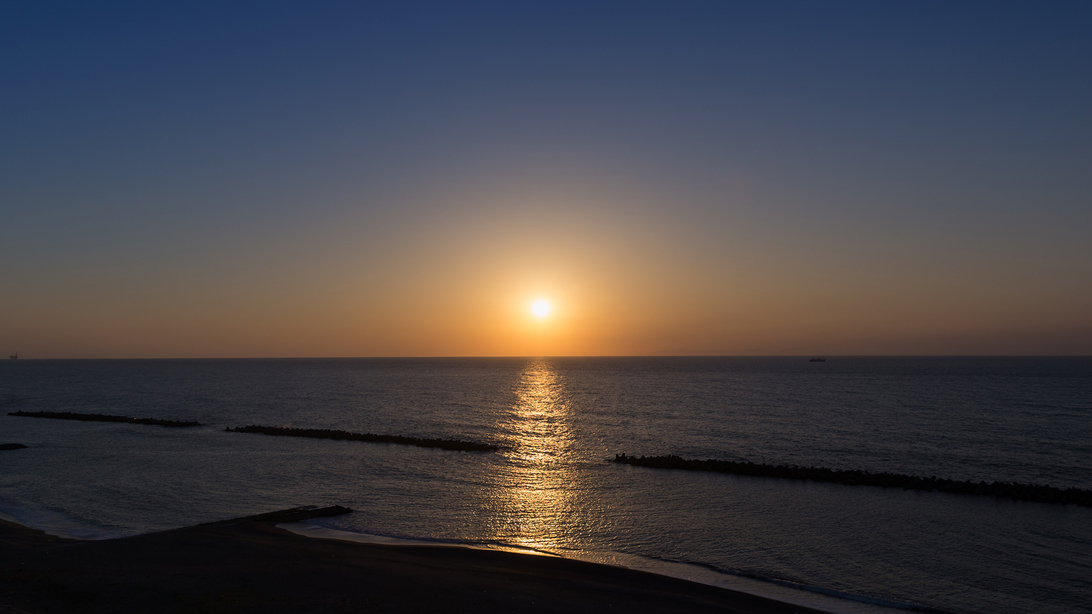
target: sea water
<point>550,488</point>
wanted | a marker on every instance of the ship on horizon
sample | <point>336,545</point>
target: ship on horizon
<point>14,356</point>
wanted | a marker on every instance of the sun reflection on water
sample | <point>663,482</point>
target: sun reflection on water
<point>538,485</point>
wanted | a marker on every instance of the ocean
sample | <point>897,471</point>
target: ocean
<point>550,487</point>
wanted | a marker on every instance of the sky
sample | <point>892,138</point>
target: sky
<point>277,179</point>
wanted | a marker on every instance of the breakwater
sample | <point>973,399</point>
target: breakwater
<point>65,415</point>
<point>443,444</point>
<point>1011,490</point>
<point>295,514</point>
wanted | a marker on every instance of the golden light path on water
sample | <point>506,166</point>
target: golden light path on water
<point>538,489</point>
<point>542,501</point>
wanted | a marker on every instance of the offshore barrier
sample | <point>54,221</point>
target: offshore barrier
<point>1011,490</point>
<point>443,444</point>
<point>67,415</point>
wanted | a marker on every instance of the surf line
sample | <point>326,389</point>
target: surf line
<point>1013,490</point>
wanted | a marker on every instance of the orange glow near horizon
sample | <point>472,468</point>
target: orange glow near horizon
<point>610,283</point>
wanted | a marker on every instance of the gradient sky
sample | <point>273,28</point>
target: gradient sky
<point>404,179</point>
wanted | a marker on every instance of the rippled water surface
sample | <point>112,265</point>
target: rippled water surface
<point>550,488</point>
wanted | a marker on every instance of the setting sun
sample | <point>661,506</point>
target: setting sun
<point>540,308</point>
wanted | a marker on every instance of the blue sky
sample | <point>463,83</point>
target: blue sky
<point>737,178</point>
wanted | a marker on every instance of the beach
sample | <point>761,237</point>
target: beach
<point>251,565</point>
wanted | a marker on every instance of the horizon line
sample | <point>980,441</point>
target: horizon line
<point>561,356</point>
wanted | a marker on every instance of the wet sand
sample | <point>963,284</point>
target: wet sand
<point>250,565</point>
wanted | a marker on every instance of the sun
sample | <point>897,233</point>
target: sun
<point>540,308</point>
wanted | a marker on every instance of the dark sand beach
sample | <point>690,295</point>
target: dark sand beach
<point>250,565</point>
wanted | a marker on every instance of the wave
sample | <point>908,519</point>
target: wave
<point>54,521</point>
<point>787,591</point>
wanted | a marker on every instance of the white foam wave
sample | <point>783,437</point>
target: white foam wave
<point>786,592</point>
<point>52,521</point>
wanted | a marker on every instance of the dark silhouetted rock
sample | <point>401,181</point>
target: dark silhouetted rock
<point>1012,490</point>
<point>295,514</point>
<point>66,415</point>
<point>11,446</point>
<point>443,444</point>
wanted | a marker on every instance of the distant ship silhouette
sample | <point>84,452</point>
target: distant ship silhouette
<point>817,359</point>
<point>14,356</point>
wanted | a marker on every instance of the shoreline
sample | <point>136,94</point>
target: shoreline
<point>249,564</point>
<point>784,591</point>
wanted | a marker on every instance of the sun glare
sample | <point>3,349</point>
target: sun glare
<point>540,308</point>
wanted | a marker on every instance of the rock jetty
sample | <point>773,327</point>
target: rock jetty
<point>295,514</point>
<point>1011,490</point>
<point>66,415</point>
<point>443,444</point>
